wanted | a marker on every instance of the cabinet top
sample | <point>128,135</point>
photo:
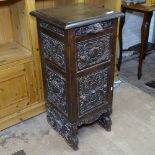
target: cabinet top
<point>72,16</point>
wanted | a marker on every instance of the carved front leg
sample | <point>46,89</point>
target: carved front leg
<point>66,129</point>
<point>105,120</point>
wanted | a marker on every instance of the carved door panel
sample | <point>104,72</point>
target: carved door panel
<point>55,86</point>
<point>93,90</point>
<point>53,50</point>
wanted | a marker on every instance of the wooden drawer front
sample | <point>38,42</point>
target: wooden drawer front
<point>93,90</point>
<point>94,28</point>
<point>94,51</point>
<point>55,89</point>
<point>53,50</point>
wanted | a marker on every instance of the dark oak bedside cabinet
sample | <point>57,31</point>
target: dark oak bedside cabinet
<point>77,46</point>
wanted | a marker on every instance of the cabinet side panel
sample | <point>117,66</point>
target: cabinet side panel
<point>5,23</point>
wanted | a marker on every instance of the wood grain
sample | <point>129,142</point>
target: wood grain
<point>5,25</point>
<point>12,51</point>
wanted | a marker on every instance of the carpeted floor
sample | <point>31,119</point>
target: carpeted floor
<point>129,73</point>
<point>133,131</point>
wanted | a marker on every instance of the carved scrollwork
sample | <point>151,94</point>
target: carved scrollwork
<point>53,50</point>
<point>52,28</point>
<point>94,51</point>
<point>92,90</point>
<point>55,85</point>
<point>93,28</point>
<point>66,129</point>
<point>90,119</point>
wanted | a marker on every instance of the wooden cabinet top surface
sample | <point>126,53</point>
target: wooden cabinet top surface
<point>72,16</point>
<point>140,7</point>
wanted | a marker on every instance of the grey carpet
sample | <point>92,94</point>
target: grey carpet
<point>129,73</point>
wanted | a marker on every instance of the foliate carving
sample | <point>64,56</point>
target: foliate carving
<point>67,130</point>
<point>90,119</point>
<point>94,51</point>
<point>92,90</point>
<point>52,28</point>
<point>53,50</point>
<point>55,85</point>
<point>93,28</point>
<point>95,117</point>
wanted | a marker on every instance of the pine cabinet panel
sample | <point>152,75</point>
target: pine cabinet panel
<point>17,89</point>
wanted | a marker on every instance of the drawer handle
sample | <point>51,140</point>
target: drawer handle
<point>94,28</point>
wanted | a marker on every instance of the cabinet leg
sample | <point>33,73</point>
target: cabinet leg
<point>66,129</point>
<point>105,120</point>
<point>144,39</point>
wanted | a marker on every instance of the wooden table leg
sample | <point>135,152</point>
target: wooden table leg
<point>122,21</point>
<point>144,39</point>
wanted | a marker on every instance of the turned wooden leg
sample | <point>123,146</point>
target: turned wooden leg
<point>144,39</point>
<point>105,120</point>
<point>122,21</point>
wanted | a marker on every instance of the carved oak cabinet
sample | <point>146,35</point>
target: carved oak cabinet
<point>77,45</point>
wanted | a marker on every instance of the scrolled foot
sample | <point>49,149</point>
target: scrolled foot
<point>66,129</point>
<point>105,120</point>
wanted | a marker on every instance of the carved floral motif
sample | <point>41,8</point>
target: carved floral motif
<point>92,90</point>
<point>55,85</point>
<point>66,129</point>
<point>93,28</point>
<point>94,51</point>
<point>53,50</point>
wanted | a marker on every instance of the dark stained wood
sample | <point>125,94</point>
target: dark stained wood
<point>75,15</point>
<point>78,67</point>
<point>139,7</point>
<point>148,12</point>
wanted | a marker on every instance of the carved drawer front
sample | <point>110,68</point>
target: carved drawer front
<point>56,89</point>
<point>92,91</point>
<point>94,51</point>
<point>53,50</point>
<point>94,28</point>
